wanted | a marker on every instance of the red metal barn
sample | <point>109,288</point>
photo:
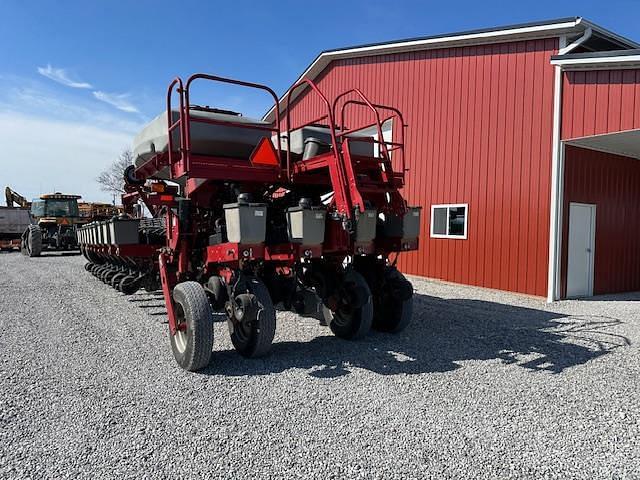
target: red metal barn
<point>599,164</point>
<point>507,138</point>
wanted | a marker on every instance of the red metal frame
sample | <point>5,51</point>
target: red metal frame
<point>389,177</point>
<point>205,166</point>
<point>338,168</point>
<point>343,167</point>
<point>233,253</point>
<point>387,147</point>
<point>334,161</point>
<point>210,167</point>
<point>168,281</point>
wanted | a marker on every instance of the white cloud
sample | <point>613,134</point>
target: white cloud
<point>56,139</point>
<point>118,100</point>
<point>60,75</point>
<point>39,103</point>
<point>42,154</point>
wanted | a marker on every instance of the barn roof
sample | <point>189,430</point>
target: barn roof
<point>601,39</point>
<point>598,60</point>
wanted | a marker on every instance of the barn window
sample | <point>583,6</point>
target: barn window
<point>449,221</point>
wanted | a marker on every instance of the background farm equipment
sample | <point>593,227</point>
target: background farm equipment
<point>247,217</point>
<point>13,222</point>
<point>13,198</point>
<point>97,211</point>
<point>53,220</point>
<point>56,216</point>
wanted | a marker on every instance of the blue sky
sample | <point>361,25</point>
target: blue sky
<point>79,78</point>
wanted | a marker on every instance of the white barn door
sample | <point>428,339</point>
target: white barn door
<point>581,250</point>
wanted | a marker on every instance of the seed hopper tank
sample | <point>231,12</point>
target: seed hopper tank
<point>249,215</point>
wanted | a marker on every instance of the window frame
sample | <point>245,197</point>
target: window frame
<point>448,206</point>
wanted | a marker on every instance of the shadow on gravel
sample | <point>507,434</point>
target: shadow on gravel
<point>614,297</point>
<point>146,297</point>
<point>443,333</point>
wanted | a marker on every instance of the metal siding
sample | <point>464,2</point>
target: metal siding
<point>499,152</point>
<point>508,172</point>
<point>480,129</point>
<point>599,102</point>
<point>610,182</point>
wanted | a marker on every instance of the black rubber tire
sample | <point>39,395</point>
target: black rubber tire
<point>192,307</point>
<point>105,275</point>
<point>34,241</point>
<point>128,285</point>
<point>88,266</point>
<point>108,277</point>
<point>115,280</point>
<point>129,176</point>
<point>357,323</point>
<point>390,312</point>
<point>255,339</point>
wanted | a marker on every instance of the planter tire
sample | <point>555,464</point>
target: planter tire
<point>193,343</point>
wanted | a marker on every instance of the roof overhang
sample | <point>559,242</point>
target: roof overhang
<point>625,143</point>
<point>598,60</point>
<point>548,29</point>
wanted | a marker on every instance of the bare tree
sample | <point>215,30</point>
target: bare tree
<point>111,180</point>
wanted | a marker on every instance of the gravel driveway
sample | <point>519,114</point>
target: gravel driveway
<point>481,385</point>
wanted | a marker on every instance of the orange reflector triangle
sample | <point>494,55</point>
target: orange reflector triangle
<point>64,221</point>
<point>265,154</point>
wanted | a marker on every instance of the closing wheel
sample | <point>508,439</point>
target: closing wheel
<point>354,313</point>
<point>129,285</point>
<point>116,279</point>
<point>193,342</point>
<point>34,241</point>
<point>108,275</point>
<point>393,307</point>
<point>254,324</point>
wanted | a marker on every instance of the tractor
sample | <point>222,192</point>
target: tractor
<point>56,218</point>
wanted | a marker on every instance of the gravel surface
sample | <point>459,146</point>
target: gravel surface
<point>481,385</point>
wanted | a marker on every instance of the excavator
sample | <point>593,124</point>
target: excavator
<point>13,221</point>
<point>15,199</point>
<point>55,219</point>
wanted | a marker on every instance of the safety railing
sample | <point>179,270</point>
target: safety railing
<point>336,161</point>
<point>385,146</point>
<point>171,125</point>
<point>185,118</point>
<point>328,116</point>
